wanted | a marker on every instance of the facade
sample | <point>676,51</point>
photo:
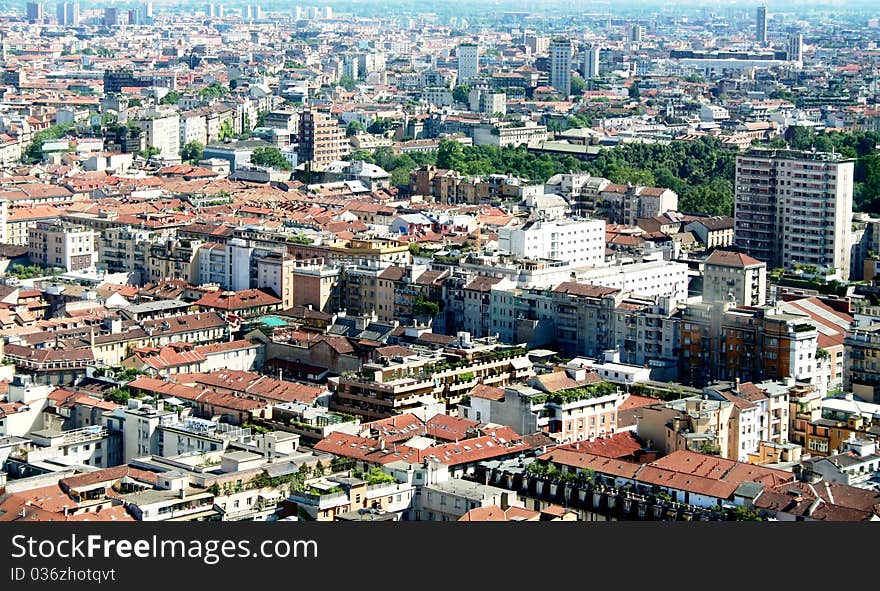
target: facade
<point>468,62</point>
<point>794,209</point>
<point>724,342</point>
<point>321,140</point>
<point>761,25</point>
<point>591,62</point>
<point>163,132</point>
<point>67,246</point>
<point>577,242</point>
<point>560,65</point>
<point>796,48</point>
<point>734,277</point>
<point>861,367</point>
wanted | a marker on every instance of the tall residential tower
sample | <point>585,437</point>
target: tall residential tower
<point>795,208</point>
<point>560,65</point>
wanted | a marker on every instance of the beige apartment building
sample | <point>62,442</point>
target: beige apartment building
<point>56,244</point>
<point>794,208</point>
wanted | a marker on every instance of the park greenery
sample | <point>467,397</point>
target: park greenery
<point>171,98</point>
<point>192,152</point>
<point>700,171</point>
<point>270,156</point>
<point>213,90</point>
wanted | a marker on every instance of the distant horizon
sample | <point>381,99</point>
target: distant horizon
<point>532,7</point>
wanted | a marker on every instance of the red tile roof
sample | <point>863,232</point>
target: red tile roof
<point>619,445</point>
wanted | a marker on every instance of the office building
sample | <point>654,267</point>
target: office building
<point>794,208</point>
<point>796,48</point>
<point>761,25</point>
<point>636,33</point>
<point>591,62</point>
<point>468,62</point>
<point>34,12</point>
<point>560,65</point>
<point>68,13</point>
<point>111,16</point>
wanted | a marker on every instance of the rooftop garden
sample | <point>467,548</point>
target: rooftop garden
<point>574,394</point>
<point>32,271</point>
<point>374,476</point>
<point>551,472</point>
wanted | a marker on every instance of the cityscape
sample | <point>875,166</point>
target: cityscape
<point>448,262</point>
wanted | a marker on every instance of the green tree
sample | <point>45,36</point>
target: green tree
<point>578,85</point>
<point>354,128</point>
<point>171,98</point>
<point>425,307</point>
<point>449,154</point>
<point>380,125</point>
<point>149,152</point>
<point>34,152</point>
<point>226,129</point>
<point>460,93</point>
<point>270,156</point>
<point>193,152</point>
<point>118,395</point>
<point>213,90</point>
<point>623,174</point>
<point>801,138</point>
<point>400,176</point>
<point>347,82</point>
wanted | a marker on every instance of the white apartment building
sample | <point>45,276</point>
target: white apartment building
<point>228,265</point>
<point>591,62</point>
<point>577,242</point>
<point>487,103</point>
<point>275,272</point>
<point>26,404</point>
<point>611,369</point>
<point>163,132</point>
<point>653,278</point>
<point>710,112</point>
<point>193,128</point>
<point>468,62</point>
<point>729,275</point>
<point>438,96</point>
<point>795,208</point>
<point>507,135</point>
<point>139,425</point>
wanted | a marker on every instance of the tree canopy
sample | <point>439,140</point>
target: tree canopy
<point>192,152</point>
<point>270,156</point>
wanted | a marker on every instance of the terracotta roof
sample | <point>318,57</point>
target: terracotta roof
<point>584,289</point>
<point>487,392</point>
<point>237,300</point>
<point>727,258</point>
<point>108,475</point>
<point>619,445</point>
<point>495,513</point>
